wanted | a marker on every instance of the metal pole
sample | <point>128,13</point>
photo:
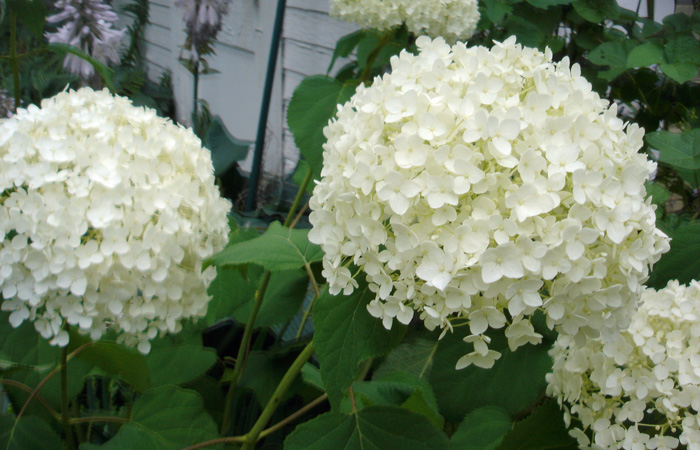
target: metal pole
<point>253,180</point>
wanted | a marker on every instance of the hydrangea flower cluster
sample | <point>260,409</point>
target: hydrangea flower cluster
<point>88,26</point>
<point>454,20</point>
<point>472,183</point>
<point>202,22</point>
<point>107,212</point>
<point>640,390</point>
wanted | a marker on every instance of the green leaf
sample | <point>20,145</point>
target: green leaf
<point>659,195</point>
<point>314,102</point>
<point>30,432</point>
<point>346,335</point>
<point>398,389</point>
<point>30,13</point>
<point>413,356</point>
<point>542,430</point>
<point>165,418</point>
<point>527,32</point>
<point>115,359</point>
<point>179,364</point>
<point>31,356</point>
<point>263,372</point>
<point>375,428</point>
<point>102,69</point>
<point>495,10</point>
<point>279,248</point>
<point>234,295</point>
<point>482,429</point>
<point>544,4</point>
<point>681,262</point>
<point>681,150</point>
<point>345,46</point>
<point>312,375</point>
<point>608,54</point>
<point>225,149</point>
<point>515,381</point>
<point>597,10</point>
<point>300,173</point>
<point>680,72</point>
<point>645,55</point>
<point>683,49</point>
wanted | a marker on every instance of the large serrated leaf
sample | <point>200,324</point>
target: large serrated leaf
<point>680,72</point>
<point>279,248</point>
<point>345,335</point>
<point>314,102</point>
<point>482,429</point>
<point>514,383</point>
<point>164,418</point>
<point>373,428</point>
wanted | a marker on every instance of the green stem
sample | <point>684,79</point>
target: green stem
<point>383,40</point>
<point>243,355</point>
<point>252,436</point>
<point>14,59</point>
<point>297,199</point>
<point>195,95</point>
<point>65,417</point>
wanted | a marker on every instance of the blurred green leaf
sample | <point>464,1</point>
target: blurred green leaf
<point>28,433</point>
<point>596,11</point>
<point>345,46</point>
<point>30,13</point>
<point>680,72</point>
<point>376,427</point>
<point>680,150</point>
<point>645,55</point>
<point>681,262</point>
<point>482,429</point>
<point>544,4</point>
<point>683,49</point>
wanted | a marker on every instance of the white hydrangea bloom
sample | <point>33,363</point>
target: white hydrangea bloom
<point>641,389</point>
<point>87,26</point>
<point>107,212</point>
<point>454,20</point>
<point>470,182</point>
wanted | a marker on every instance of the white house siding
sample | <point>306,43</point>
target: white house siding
<point>235,94</point>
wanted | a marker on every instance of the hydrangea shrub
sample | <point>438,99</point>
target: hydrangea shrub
<point>477,186</point>
<point>454,20</point>
<point>640,390</point>
<point>107,212</point>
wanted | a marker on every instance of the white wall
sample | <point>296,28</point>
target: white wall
<point>235,94</point>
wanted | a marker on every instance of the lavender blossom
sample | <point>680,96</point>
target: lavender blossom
<point>202,23</point>
<point>88,26</point>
